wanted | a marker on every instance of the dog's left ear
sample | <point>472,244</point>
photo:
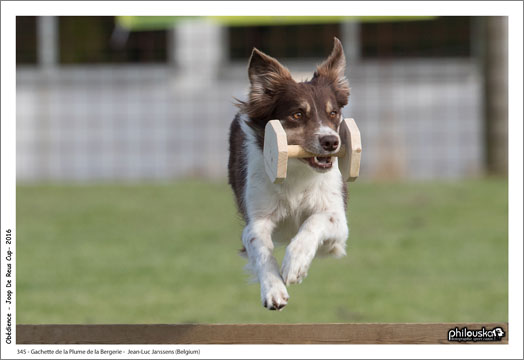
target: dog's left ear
<point>333,70</point>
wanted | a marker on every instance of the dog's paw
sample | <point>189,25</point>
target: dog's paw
<point>295,264</point>
<point>274,295</point>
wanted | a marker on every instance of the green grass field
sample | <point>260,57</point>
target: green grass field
<point>167,253</point>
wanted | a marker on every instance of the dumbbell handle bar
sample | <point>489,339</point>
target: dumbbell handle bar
<point>297,151</point>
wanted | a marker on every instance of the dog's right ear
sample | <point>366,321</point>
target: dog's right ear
<point>332,70</point>
<point>266,74</point>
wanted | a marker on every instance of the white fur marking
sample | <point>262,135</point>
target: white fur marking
<point>325,130</point>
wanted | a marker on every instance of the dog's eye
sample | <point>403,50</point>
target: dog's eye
<point>333,114</point>
<point>297,115</point>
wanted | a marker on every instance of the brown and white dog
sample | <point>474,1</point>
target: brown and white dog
<point>308,208</point>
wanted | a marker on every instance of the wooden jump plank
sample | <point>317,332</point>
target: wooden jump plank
<point>410,333</point>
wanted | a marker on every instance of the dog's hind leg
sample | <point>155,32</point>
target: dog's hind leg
<point>256,238</point>
<point>317,230</point>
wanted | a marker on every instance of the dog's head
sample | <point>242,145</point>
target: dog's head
<point>309,111</point>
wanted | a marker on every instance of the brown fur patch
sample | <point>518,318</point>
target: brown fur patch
<point>237,166</point>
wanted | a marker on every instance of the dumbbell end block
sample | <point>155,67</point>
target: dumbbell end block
<point>349,164</point>
<point>275,151</point>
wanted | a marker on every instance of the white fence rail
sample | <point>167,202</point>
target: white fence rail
<point>418,118</point>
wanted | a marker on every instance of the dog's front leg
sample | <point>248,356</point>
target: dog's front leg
<point>317,229</point>
<point>259,247</point>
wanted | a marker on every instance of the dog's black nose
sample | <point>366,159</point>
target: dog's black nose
<point>329,142</point>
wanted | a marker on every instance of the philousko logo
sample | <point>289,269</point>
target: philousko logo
<point>465,334</point>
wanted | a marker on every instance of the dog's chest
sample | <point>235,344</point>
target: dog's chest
<point>302,196</point>
<point>300,199</point>
<point>296,202</point>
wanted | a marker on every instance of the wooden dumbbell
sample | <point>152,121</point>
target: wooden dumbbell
<point>277,151</point>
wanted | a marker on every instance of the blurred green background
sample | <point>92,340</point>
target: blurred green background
<point>167,253</point>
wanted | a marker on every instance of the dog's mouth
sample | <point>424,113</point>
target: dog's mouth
<point>320,163</point>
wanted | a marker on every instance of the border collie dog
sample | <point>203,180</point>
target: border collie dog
<point>307,210</point>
